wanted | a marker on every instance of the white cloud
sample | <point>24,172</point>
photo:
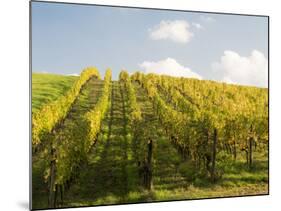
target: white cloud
<point>73,74</point>
<point>177,31</point>
<point>197,25</point>
<point>207,19</point>
<point>170,67</point>
<point>252,70</point>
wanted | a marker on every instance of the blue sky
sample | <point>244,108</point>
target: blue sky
<point>230,48</point>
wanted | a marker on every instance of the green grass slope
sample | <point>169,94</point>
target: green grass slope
<point>49,87</point>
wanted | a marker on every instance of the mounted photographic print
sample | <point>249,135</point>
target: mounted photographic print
<point>134,105</point>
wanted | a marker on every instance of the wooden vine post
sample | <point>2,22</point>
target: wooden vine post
<point>52,191</point>
<point>214,150</point>
<point>149,163</point>
<point>251,148</point>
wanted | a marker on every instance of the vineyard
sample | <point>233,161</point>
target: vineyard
<point>145,138</point>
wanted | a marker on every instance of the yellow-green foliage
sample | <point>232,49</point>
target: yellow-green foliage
<point>190,109</point>
<point>44,120</point>
<point>135,111</point>
<point>95,116</point>
<point>71,146</point>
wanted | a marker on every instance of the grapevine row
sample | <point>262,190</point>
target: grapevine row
<point>51,114</point>
<point>203,118</point>
<point>69,147</point>
<point>242,111</point>
<point>135,111</point>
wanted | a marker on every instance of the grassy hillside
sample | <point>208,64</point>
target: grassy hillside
<point>112,171</point>
<point>49,87</point>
